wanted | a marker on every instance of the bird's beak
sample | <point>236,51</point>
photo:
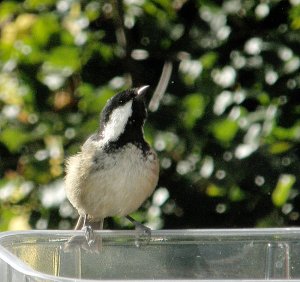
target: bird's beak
<point>141,91</point>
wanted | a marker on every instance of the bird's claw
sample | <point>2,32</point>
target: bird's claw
<point>89,234</point>
<point>76,242</point>
<point>143,234</point>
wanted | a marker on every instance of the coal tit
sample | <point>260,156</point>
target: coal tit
<point>116,169</point>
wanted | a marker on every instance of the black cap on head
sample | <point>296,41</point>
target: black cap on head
<point>123,117</point>
<point>135,94</point>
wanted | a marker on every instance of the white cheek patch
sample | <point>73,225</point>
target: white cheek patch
<point>117,122</point>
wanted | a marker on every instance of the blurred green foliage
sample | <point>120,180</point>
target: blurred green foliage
<point>227,130</point>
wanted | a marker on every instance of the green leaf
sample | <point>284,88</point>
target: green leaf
<point>6,216</point>
<point>280,147</point>
<point>263,98</point>
<point>213,190</point>
<point>64,57</point>
<point>92,10</point>
<point>236,194</point>
<point>14,139</point>
<point>208,60</point>
<point>283,133</point>
<point>45,26</point>
<point>39,4</point>
<point>93,100</point>
<point>194,107</point>
<point>225,130</point>
<point>7,9</point>
<point>295,17</point>
<point>282,190</point>
<point>106,51</point>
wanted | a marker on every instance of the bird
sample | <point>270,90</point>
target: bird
<point>116,169</point>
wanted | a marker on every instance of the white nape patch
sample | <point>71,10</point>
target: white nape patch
<point>117,122</point>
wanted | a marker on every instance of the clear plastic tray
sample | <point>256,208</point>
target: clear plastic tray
<point>235,254</point>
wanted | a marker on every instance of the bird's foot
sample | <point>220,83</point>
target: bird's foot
<point>142,230</point>
<point>80,242</point>
<point>90,241</point>
<point>143,233</point>
<point>89,235</point>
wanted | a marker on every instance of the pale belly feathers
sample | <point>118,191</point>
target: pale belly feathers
<point>103,186</point>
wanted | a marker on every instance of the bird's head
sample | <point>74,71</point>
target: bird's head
<point>123,116</point>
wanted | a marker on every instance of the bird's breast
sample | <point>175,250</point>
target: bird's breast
<point>119,182</point>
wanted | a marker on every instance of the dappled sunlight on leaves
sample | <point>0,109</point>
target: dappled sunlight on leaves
<point>282,190</point>
<point>227,128</point>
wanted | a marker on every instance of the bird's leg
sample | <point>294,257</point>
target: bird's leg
<point>142,231</point>
<point>98,225</point>
<point>90,242</point>
<point>79,223</point>
<point>88,231</point>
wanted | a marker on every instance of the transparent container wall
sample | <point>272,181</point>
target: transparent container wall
<point>261,254</point>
